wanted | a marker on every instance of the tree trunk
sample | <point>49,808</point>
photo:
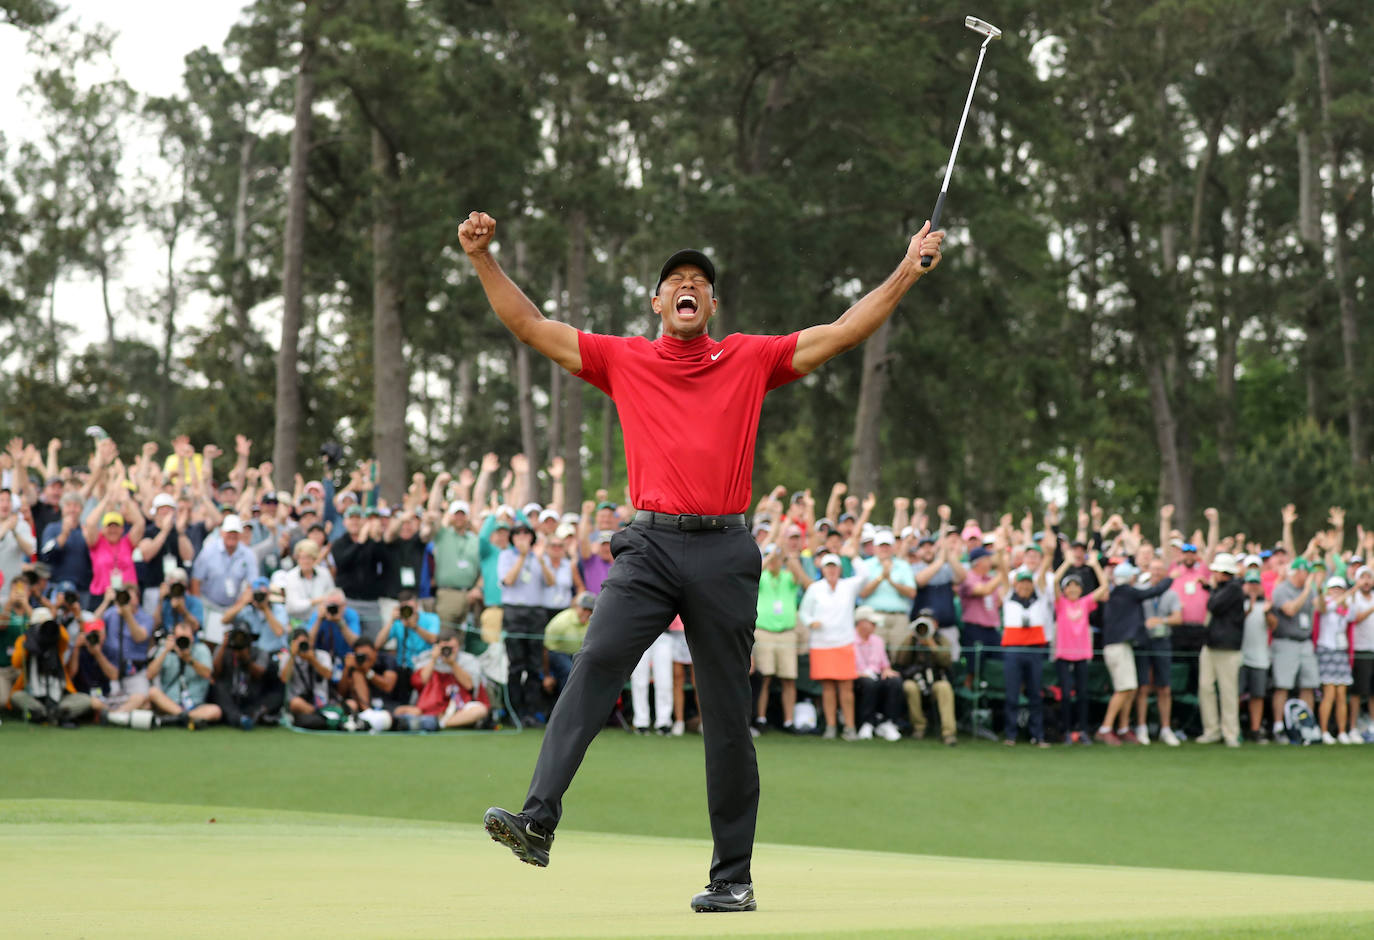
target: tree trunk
<point>556,385</point>
<point>164,398</point>
<point>865,455</point>
<point>286,436</point>
<point>390,382</point>
<point>1173,484</point>
<point>577,317</point>
<point>104,270</point>
<point>238,300</point>
<point>1350,337</point>
<point>608,419</point>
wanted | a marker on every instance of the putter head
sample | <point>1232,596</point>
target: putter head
<point>982,26</point>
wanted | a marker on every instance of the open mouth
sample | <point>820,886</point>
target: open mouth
<point>686,306</point>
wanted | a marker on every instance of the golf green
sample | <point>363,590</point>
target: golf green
<point>345,834</point>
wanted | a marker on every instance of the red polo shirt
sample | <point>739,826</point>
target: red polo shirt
<point>689,411</point>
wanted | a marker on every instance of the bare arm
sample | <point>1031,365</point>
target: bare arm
<point>557,341</point>
<point>818,344</point>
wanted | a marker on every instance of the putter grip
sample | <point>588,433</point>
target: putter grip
<point>934,223</point>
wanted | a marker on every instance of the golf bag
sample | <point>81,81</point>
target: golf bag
<point>1299,723</point>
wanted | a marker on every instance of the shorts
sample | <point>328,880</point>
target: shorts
<point>775,653</point>
<point>490,623</point>
<point>681,653</point>
<point>1254,682</point>
<point>1295,664</point>
<point>1333,666</point>
<point>1154,662</point>
<point>1364,674</point>
<point>1120,659</point>
<point>837,663</point>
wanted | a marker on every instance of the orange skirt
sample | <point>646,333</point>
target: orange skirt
<point>835,663</point>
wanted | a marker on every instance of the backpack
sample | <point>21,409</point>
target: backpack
<point>1298,721</point>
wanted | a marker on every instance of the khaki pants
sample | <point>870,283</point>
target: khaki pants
<point>452,605</point>
<point>70,707</point>
<point>1219,668</point>
<point>7,676</point>
<point>895,630</point>
<point>944,703</point>
<point>490,622</point>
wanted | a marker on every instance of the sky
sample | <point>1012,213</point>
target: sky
<point>154,37</point>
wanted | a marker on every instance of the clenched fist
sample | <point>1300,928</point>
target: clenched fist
<point>925,243</point>
<point>475,233</point>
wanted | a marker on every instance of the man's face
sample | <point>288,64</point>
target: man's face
<point>604,550</point>
<point>1024,588</point>
<point>883,551</point>
<point>459,521</point>
<point>685,302</point>
<point>409,527</point>
<point>925,552</point>
<point>774,562</point>
<point>864,628</point>
<point>832,574</point>
<point>231,541</point>
<point>605,519</point>
<point>1158,571</point>
<point>583,614</point>
<point>1079,555</point>
<point>52,493</point>
<point>1299,577</point>
<point>229,495</point>
<point>500,537</point>
<point>353,525</point>
<point>71,512</point>
<point>1189,559</point>
<point>163,517</point>
<point>794,543</point>
<point>6,504</point>
<point>1365,582</point>
<point>833,543</point>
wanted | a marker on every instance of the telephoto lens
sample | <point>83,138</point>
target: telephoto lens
<point>406,611</point>
<point>177,589</point>
<point>183,642</point>
<point>259,597</point>
<point>121,598</point>
<point>332,610</point>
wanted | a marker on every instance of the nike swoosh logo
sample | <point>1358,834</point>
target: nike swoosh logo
<point>717,355</point>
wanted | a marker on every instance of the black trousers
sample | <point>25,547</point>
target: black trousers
<point>524,628</point>
<point>878,700</point>
<point>263,697</point>
<point>710,578</point>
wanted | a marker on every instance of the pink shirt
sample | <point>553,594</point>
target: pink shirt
<point>1073,638</point>
<point>870,656</point>
<point>106,558</point>
<point>1190,584</point>
<point>676,626</point>
<point>980,611</point>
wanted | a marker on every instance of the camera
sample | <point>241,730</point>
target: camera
<point>31,577</point>
<point>177,589</point>
<point>70,597</point>
<point>303,647</point>
<point>406,611</point>
<point>922,630</point>
<point>332,610</point>
<point>183,642</point>
<point>259,597</point>
<point>121,598</point>
<point>239,639</point>
<point>446,649</point>
<point>159,634</point>
<point>93,639</point>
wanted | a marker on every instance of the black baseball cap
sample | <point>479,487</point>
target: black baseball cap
<point>686,256</point>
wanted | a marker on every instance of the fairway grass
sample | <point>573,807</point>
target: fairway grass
<point>155,870</point>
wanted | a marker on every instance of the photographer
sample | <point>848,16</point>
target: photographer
<point>414,631</point>
<point>128,628</point>
<point>35,578</point>
<point>182,667</point>
<point>245,688</point>
<point>90,669</point>
<point>928,677</point>
<point>253,613</point>
<point>43,691</point>
<point>370,680</point>
<point>334,627</point>
<point>14,620</point>
<point>177,604</point>
<point>450,684</point>
<point>305,673</point>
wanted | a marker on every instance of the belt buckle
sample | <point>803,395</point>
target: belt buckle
<point>682,522</point>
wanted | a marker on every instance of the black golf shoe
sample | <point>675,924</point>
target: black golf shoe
<point>725,896</point>
<point>520,834</point>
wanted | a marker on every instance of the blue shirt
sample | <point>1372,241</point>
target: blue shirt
<point>180,682</point>
<point>70,562</point>
<point>194,607</point>
<point>255,621</point>
<point>886,598</point>
<point>120,646</point>
<point>330,637</point>
<point>221,575</point>
<point>410,646</point>
<point>528,589</point>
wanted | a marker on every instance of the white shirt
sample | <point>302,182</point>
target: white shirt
<point>1333,627</point>
<point>558,596</point>
<point>833,609</point>
<point>1364,630</point>
<point>301,591</point>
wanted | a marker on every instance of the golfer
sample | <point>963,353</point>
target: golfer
<point>689,408</point>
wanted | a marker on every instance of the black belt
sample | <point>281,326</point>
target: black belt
<point>686,522</point>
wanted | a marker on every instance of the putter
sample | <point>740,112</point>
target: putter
<point>991,32</point>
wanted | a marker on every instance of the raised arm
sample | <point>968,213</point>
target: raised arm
<point>558,341</point>
<point>818,344</point>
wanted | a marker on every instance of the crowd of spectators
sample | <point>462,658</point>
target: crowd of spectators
<point>155,592</point>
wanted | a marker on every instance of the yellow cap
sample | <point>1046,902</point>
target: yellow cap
<point>111,518</point>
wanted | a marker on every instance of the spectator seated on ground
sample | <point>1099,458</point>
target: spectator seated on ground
<point>926,677</point>
<point>370,680</point>
<point>246,687</point>
<point>410,635</point>
<point>305,673</point>
<point>43,691</point>
<point>452,694</point>
<point>175,603</point>
<point>334,627</point>
<point>90,669</point>
<point>181,667</point>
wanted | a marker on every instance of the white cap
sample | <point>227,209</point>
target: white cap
<point>504,509</point>
<point>458,505</point>
<point>164,499</point>
<point>548,514</point>
<point>884,538</point>
<point>908,532</point>
<point>1336,581</point>
<point>563,531</point>
<point>830,558</point>
<point>571,518</point>
<point>1252,561</point>
<point>1224,562</point>
<point>867,533</point>
<point>1362,571</point>
<point>531,509</point>
<point>231,523</point>
<point>39,615</point>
